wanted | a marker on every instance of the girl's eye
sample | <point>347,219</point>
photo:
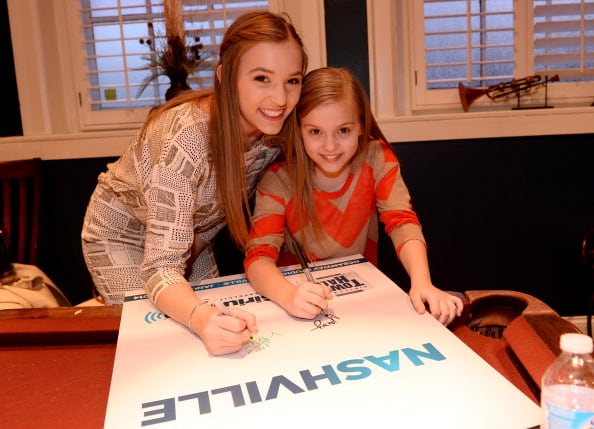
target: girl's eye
<point>314,132</point>
<point>261,78</point>
<point>295,81</point>
<point>344,130</point>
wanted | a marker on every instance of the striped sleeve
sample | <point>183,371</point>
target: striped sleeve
<point>393,198</point>
<point>268,219</point>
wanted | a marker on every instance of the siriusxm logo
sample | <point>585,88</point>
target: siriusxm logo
<point>154,316</point>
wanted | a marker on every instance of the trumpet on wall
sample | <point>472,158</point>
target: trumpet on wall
<point>503,90</point>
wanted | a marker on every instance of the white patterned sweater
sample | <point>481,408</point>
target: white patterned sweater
<point>159,194</point>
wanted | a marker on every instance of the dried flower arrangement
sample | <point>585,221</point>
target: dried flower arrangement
<point>174,59</point>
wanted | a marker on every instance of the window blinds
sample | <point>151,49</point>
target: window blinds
<point>480,42</point>
<point>122,37</point>
<point>564,38</point>
<point>468,40</point>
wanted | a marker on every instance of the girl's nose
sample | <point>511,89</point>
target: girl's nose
<point>329,143</point>
<point>279,95</point>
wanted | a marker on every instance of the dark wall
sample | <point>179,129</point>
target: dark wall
<point>66,188</point>
<point>497,214</point>
<point>346,37</point>
<point>504,214</point>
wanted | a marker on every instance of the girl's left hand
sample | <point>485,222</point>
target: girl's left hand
<point>442,305</point>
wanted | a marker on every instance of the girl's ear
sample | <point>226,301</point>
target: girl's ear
<point>218,72</point>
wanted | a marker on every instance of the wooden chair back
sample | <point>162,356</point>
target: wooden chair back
<point>20,205</point>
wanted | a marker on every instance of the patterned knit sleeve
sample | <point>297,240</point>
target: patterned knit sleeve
<point>392,196</point>
<point>268,219</point>
<point>172,164</point>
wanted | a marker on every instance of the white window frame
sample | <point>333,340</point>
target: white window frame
<point>51,120</point>
<point>49,79</point>
<point>563,93</point>
<point>100,118</point>
<point>404,117</point>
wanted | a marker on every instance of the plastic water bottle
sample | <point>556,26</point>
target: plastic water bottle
<point>567,387</point>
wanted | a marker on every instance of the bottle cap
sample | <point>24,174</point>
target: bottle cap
<point>576,343</point>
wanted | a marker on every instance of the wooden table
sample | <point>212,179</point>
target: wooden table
<point>56,364</point>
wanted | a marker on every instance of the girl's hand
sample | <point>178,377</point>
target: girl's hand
<point>442,305</point>
<point>223,334</point>
<point>308,300</point>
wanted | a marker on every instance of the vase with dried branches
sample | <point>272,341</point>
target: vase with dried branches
<point>175,58</point>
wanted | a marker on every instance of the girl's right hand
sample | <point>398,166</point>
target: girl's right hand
<point>223,334</point>
<point>309,300</point>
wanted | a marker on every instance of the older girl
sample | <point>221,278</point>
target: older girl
<point>190,170</point>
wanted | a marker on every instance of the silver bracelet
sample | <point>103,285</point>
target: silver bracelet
<point>192,313</point>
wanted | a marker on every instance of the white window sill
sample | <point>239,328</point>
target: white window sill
<point>489,124</point>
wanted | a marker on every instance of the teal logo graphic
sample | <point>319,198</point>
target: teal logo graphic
<point>154,316</point>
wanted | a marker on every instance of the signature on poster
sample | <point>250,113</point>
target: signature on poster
<point>325,320</point>
<point>259,343</point>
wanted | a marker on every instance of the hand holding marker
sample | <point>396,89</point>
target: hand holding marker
<point>298,251</point>
<point>227,312</point>
<point>223,308</point>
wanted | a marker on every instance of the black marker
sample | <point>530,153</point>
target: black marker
<point>296,248</point>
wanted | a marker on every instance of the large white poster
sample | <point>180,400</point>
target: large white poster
<point>371,360</point>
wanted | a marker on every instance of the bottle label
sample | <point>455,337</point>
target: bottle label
<point>563,418</point>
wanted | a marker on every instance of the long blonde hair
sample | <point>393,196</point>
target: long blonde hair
<point>325,85</point>
<point>226,135</point>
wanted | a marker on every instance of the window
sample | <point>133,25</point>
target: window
<point>122,41</point>
<point>61,118</point>
<point>470,41</point>
<point>564,38</point>
<point>483,43</point>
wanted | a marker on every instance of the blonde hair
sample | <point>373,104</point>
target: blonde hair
<point>226,135</point>
<point>322,86</point>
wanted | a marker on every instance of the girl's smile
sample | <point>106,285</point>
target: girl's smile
<point>331,139</point>
<point>269,84</point>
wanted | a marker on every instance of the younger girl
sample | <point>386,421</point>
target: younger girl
<point>190,170</point>
<point>327,194</point>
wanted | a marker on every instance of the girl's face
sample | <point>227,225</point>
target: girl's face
<point>330,135</point>
<point>268,86</point>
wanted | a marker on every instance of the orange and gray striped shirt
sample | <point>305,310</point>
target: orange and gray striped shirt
<point>349,215</point>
